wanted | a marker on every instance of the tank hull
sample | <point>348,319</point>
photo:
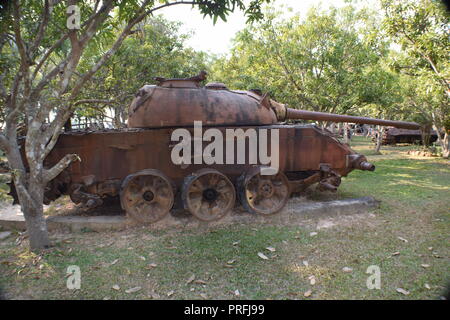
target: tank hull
<point>395,135</point>
<point>108,157</point>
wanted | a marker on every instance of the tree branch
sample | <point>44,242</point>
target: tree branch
<point>140,15</point>
<point>83,101</point>
<point>17,34</point>
<point>42,26</point>
<point>58,43</point>
<point>51,134</point>
<point>50,174</point>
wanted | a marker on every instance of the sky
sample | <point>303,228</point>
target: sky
<point>217,38</point>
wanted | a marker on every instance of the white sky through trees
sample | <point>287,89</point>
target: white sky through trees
<point>217,38</point>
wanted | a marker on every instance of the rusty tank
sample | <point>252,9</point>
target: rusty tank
<point>136,164</point>
<point>392,136</point>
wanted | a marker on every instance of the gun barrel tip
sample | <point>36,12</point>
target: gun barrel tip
<point>365,165</point>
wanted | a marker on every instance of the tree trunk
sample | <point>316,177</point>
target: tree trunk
<point>117,117</point>
<point>36,225</point>
<point>333,128</point>
<point>31,195</point>
<point>68,125</point>
<point>379,140</point>
<point>30,188</point>
<point>365,130</point>
<point>443,141</point>
<point>446,150</point>
<point>346,133</point>
<point>33,211</point>
<point>425,132</point>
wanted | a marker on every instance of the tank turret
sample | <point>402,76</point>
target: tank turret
<point>180,102</point>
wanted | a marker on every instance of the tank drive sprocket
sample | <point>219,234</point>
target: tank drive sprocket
<point>263,194</point>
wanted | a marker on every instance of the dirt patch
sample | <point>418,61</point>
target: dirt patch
<point>422,153</point>
<point>346,221</point>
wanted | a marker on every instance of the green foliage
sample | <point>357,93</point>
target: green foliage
<point>156,48</point>
<point>328,62</point>
<point>421,28</point>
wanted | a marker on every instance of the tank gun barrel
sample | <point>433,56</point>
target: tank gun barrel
<point>323,116</point>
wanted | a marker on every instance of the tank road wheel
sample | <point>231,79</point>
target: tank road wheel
<point>147,196</point>
<point>208,194</point>
<point>263,194</point>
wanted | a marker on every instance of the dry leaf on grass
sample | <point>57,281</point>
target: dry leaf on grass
<point>307,293</point>
<point>262,256</point>
<point>154,295</point>
<point>347,269</point>
<point>271,249</point>
<point>200,281</point>
<point>116,287</point>
<point>402,291</point>
<point>133,290</point>
<point>114,262</point>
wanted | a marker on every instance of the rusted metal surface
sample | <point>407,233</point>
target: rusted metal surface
<point>208,194</point>
<point>330,180</point>
<point>147,195</point>
<point>178,103</point>
<point>323,116</point>
<point>264,195</point>
<point>110,158</point>
<point>135,163</point>
<point>396,135</point>
<point>112,155</point>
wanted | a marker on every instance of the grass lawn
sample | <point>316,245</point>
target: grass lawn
<point>407,238</point>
